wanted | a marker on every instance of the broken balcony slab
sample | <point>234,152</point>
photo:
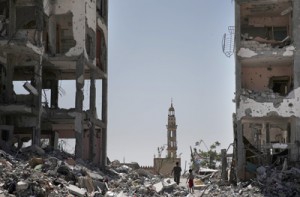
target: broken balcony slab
<point>16,109</point>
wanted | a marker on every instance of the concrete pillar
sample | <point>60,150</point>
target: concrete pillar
<point>224,174</point>
<point>92,150</point>
<point>296,42</point>
<point>54,94</point>
<point>104,119</point>
<point>12,19</point>
<point>52,35</point>
<point>38,103</point>
<point>238,72</point>
<point>54,140</point>
<point>79,107</point>
<point>295,139</point>
<point>241,156</point>
<point>267,127</point>
<point>240,151</point>
<point>9,89</point>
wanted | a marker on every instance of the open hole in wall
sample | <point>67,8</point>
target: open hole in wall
<point>102,9</point>
<point>67,145</point>
<point>267,23</point>
<point>101,51</point>
<point>281,85</point>
<point>67,94</point>
<point>277,78</point>
<point>64,33</point>
<point>5,135</point>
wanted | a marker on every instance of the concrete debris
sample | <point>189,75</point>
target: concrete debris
<point>76,190</point>
<point>59,174</point>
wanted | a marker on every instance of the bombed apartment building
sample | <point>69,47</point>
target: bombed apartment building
<point>42,44</point>
<point>267,118</point>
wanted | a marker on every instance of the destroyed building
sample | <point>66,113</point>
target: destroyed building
<point>267,118</point>
<point>45,42</point>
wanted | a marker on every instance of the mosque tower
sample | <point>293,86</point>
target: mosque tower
<point>171,127</point>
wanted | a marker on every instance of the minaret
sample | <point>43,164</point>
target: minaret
<point>172,142</point>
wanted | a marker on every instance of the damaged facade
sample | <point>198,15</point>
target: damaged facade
<point>267,118</point>
<point>44,42</point>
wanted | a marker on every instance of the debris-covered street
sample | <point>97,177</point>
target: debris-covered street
<point>231,66</point>
<point>37,172</point>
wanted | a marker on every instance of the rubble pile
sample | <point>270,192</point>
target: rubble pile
<point>142,183</point>
<point>34,172</point>
<point>53,174</point>
<point>279,182</point>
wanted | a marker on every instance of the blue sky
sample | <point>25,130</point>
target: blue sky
<point>163,49</point>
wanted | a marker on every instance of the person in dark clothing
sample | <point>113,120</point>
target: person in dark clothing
<point>176,171</point>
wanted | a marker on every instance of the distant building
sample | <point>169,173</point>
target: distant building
<point>165,165</point>
<point>267,118</point>
<point>41,44</point>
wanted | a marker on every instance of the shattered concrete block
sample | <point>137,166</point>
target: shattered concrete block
<point>86,182</point>
<point>168,183</point>
<point>109,194</point>
<point>121,194</point>
<point>76,190</point>
<point>70,161</point>
<point>38,167</point>
<point>95,175</point>
<point>35,161</point>
<point>158,187</point>
<point>21,185</point>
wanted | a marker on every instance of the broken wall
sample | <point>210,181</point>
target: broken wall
<point>258,78</point>
<point>164,166</point>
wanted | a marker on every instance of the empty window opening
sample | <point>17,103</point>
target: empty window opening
<point>67,145</point>
<point>101,51</point>
<point>280,85</point>
<point>5,135</point>
<point>64,33</point>
<point>280,33</point>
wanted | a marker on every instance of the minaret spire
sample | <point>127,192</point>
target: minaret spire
<point>171,133</point>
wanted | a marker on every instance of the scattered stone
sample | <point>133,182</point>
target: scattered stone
<point>21,185</point>
<point>76,190</point>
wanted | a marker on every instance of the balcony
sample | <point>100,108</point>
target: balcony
<point>268,104</point>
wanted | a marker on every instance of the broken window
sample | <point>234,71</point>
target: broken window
<point>280,85</point>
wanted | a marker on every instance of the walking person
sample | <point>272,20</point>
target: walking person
<point>190,181</point>
<point>176,171</point>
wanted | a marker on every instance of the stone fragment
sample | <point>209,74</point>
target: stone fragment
<point>76,190</point>
<point>70,161</point>
<point>35,161</point>
<point>86,182</point>
<point>158,187</point>
<point>21,185</point>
